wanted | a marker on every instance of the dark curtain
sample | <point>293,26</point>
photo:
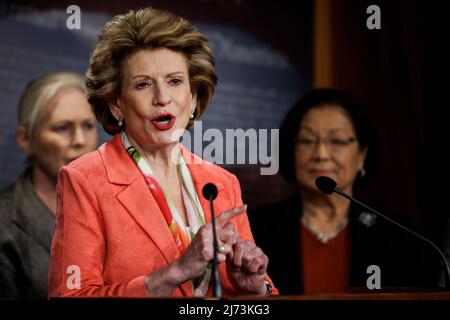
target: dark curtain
<point>388,71</point>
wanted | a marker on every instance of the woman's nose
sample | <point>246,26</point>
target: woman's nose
<point>321,152</point>
<point>79,138</point>
<point>161,95</point>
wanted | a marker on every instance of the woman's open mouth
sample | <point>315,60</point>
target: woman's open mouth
<point>164,121</point>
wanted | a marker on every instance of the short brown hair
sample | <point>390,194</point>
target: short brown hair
<point>141,29</point>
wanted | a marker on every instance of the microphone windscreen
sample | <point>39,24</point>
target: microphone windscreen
<point>325,184</point>
<point>210,191</point>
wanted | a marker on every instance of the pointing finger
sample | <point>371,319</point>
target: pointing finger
<point>230,214</point>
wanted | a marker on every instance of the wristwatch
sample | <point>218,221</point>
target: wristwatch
<point>268,288</point>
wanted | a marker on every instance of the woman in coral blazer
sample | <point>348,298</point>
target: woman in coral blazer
<point>130,221</point>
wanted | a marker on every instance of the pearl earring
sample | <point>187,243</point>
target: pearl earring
<point>120,122</point>
<point>191,116</point>
<point>362,172</point>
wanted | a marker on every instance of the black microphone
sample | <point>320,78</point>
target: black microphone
<point>210,193</point>
<point>328,186</point>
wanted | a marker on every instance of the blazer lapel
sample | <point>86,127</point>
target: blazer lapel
<point>147,214</point>
<point>141,205</point>
<point>139,202</point>
<point>136,198</point>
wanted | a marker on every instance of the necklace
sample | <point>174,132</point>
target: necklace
<point>321,236</point>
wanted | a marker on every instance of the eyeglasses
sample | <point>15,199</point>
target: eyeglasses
<point>333,144</point>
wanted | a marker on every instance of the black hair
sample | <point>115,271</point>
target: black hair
<point>314,99</point>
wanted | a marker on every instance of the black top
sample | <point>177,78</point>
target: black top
<point>447,245</point>
<point>26,230</point>
<point>404,260</point>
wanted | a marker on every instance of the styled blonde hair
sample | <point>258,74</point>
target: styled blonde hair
<point>34,102</point>
<point>142,29</point>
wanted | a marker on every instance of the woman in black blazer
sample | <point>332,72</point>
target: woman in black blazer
<point>56,126</point>
<point>321,243</point>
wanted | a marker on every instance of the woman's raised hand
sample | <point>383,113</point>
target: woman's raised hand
<point>200,252</point>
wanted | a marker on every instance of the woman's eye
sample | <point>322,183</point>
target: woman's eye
<point>61,129</point>
<point>176,81</point>
<point>88,126</point>
<point>142,85</point>
<point>338,142</point>
<point>305,141</point>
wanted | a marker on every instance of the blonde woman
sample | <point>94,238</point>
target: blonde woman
<point>56,126</point>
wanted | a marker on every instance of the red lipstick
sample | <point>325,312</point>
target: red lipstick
<point>163,122</point>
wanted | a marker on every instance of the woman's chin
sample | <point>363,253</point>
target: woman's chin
<point>165,143</point>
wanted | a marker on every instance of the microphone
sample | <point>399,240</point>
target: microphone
<point>209,191</point>
<point>328,186</point>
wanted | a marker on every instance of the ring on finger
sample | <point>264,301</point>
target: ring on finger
<point>222,248</point>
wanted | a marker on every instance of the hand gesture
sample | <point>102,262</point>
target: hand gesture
<point>246,267</point>
<point>200,252</point>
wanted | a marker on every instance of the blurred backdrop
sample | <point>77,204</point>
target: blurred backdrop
<point>268,53</point>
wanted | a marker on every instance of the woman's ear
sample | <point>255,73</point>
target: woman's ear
<point>115,109</point>
<point>23,141</point>
<point>193,103</point>
<point>363,155</point>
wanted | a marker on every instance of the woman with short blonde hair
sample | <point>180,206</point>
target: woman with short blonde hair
<point>55,126</point>
<point>34,103</point>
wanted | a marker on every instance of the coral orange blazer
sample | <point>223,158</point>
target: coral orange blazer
<point>110,233</point>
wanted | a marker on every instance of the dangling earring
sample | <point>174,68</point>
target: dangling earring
<point>362,172</point>
<point>120,122</point>
<point>191,116</point>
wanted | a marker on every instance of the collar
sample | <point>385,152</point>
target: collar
<point>121,169</point>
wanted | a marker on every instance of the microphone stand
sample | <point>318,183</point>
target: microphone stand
<point>447,285</point>
<point>217,288</point>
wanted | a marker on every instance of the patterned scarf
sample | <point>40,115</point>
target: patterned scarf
<point>181,233</point>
